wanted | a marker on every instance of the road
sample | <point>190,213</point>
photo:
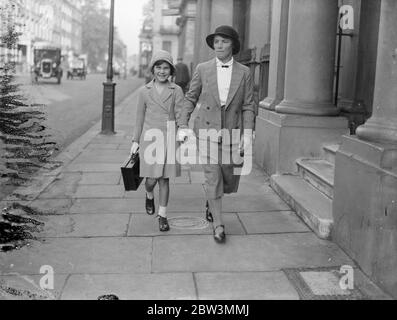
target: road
<point>75,105</point>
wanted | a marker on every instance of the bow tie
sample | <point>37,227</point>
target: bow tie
<point>225,66</point>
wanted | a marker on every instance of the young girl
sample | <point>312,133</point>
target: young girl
<point>158,103</point>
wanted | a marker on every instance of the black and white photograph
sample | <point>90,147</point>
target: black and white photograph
<point>212,152</point>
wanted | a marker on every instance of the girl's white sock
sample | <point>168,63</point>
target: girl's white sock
<point>150,195</point>
<point>162,212</point>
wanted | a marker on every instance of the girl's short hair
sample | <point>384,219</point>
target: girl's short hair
<point>160,62</point>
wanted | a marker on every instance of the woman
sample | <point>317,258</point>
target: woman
<point>225,90</point>
<point>158,104</point>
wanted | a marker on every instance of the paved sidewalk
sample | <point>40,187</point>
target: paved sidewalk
<point>99,240</point>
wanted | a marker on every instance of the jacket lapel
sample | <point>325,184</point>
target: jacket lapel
<point>159,99</point>
<point>167,93</point>
<point>212,76</point>
<point>237,76</point>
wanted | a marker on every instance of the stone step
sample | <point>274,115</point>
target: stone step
<point>319,173</point>
<point>329,152</point>
<point>311,205</point>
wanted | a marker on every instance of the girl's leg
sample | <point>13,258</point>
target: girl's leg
<point>164,187</point>
<point>149,186</point>
<point>149,202</point>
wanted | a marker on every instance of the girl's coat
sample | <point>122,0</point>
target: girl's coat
<point>154,113</point>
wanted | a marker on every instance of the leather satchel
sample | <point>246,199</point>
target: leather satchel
<point>130,173</point>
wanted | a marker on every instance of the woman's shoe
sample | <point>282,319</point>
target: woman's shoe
<point>163,224</point>
<point>219,237</point>
<point>149,204</point>
<point>208,214</point>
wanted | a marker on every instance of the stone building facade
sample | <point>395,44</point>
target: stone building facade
<point>56,21</point>
<point>326,130</point>
<point>165,30</point>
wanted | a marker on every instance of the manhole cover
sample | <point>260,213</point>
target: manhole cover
<point>189,223</point>
<point>321,284</point>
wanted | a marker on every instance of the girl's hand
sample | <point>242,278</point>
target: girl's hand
<point>134,148</point>
<point>183,134</point>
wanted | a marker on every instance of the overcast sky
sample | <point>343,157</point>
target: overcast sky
<point>128,20</point>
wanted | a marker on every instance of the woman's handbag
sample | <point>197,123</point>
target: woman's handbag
<point>130,173</point>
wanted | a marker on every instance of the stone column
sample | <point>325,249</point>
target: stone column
<point>204,22</point>
<point>306,119</point>
<point>349,54</point>
<point>382,126</point>
<point>365,184</point>
<point>278,52</point>
<point>310,58</point>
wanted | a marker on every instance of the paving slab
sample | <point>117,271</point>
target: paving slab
<point>124,146</point>
<point>253,203</point>
<point>244,253</point>
<point>183,179</point>
<point>32,189</point>
<point>27,287</point>
<point>99,191</point>
<point>195,224</point>
<point>183,205</point>
<point>134,205</point>
<point>102,156</point>
<point>131,287</point>
<point>104,206</point>
<point>246,188</point>
<point>178,191</point>
<point>71,256</point>
<point>92,167</point>
<point>117,138</point>
<point>103,146</point>
<point>82,225</point>
<point>63,186</point>
<point>100,178</point>
<point>272,222</point>
<point>245,286</point>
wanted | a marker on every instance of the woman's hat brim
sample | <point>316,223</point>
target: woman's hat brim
<point>210,41</point>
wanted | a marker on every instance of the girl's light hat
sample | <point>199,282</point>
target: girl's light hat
<point>162,55</point>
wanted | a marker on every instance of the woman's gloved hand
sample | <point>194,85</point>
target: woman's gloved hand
<point>246,142</point>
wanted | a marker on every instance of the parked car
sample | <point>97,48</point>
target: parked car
<point>47,62</point>
<point>77,69</point>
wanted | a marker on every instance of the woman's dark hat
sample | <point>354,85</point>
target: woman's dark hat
<point>228,32</point>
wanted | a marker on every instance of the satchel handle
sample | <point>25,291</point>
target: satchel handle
<point>133,157</point>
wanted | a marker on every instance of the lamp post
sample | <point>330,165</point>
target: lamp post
<point>109,88</point>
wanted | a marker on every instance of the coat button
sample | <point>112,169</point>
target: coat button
<point>208,123</point>
<point>208,108</point>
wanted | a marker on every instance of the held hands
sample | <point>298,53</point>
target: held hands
<point>183,134</point>
<point>134,148</point>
